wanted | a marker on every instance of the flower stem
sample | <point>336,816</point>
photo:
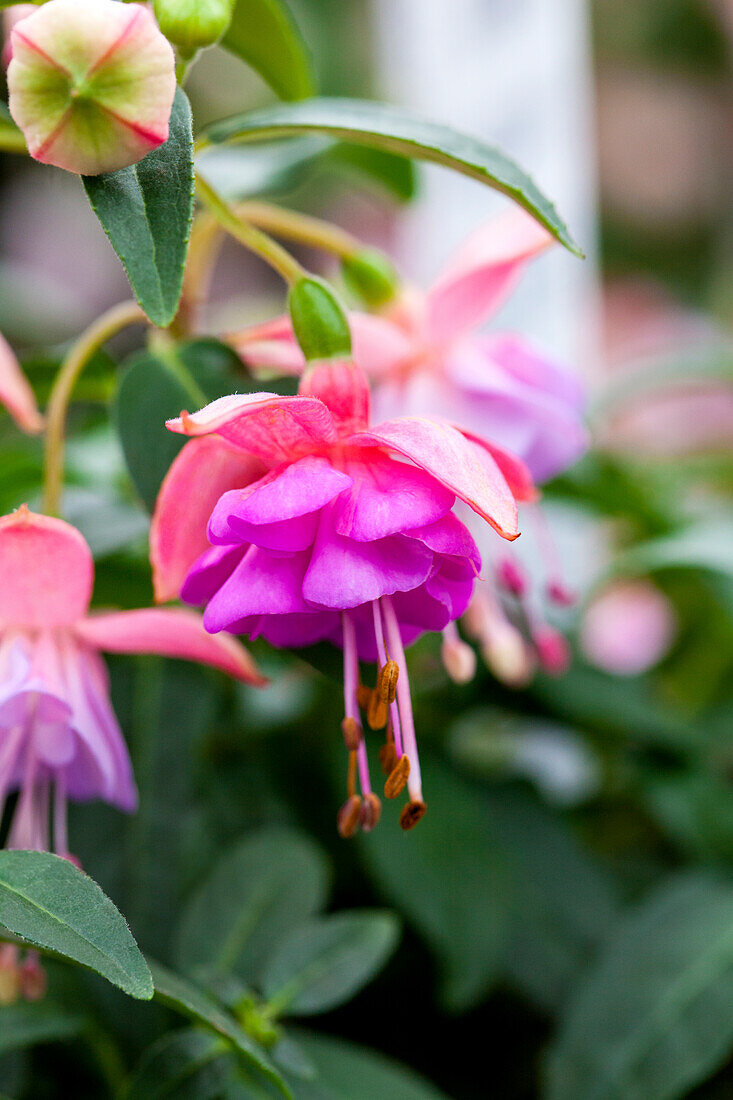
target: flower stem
<point>253,239</point>
<point>294,226</point>
<point>106,326</point>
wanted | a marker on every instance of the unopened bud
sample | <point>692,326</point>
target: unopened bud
<point>511,577</point>
<point>552,651</point>
<point>413,812</point>
<point>319,320</point>
<point>11,16</point>
<point>349,816</point>
<point>371,811</point>
<point>91,84</point>
<point>397,778</point>
<point>192,25</point>
<point>352,733</point>
<point>507,655</point>
<point>371,277</point>
<point>9,974</point>
<point>459,659</point>
<point>387,681</point>
<point>558,594</point>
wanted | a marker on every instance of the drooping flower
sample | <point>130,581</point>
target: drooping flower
<point>425,356</point>
<point>91,84</point>
<point>628,628</point>
<point>59,738</point>
<point>322,528</point>
<point>15,391</point>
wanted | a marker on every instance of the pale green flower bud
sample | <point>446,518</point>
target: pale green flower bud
<point>192,25</point>
<point>91,84</point>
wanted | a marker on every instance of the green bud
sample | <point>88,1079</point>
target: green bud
<point>192,25</point>
<point>371,277</point>
<point>319,320</point>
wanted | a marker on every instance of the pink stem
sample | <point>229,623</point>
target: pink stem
<point>414,783</point>
<point>394,710</point>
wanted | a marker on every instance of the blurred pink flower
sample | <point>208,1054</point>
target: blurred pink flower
<point>321,531</point>
<point>628,628</point>
<point>58,733</point>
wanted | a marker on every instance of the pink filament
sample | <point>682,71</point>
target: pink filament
<point>414,784</point>
<point>394,710</point>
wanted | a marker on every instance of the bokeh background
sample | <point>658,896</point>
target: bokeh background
<point>568,901</point>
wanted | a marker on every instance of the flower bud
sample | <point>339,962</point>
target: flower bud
<point>552,651</point>
<point>11,16</point>
<point>319,320</point>
<point>91,84</point>
<point>192,25</point>
<point>459,659</point>
<point>371,277</point>
<point>507,655</point>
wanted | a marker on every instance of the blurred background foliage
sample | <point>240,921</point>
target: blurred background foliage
<point>561,923</point>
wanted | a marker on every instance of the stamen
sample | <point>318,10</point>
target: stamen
<point>556,589</point>
<point>371,811</point>
<point>413,812</point>
<point>403,698</point>
<point>394,712</point>
<point>352,733</point>
<point>60,835</point>
<point>351,775</point>
<point>511,577</point>
<point>387,681</point>
<point>363,695</point>
<point>397,778</point>
<point>364,782</point>
<point>388,753</point>
<point>349,817</point>
<point>377,711</point>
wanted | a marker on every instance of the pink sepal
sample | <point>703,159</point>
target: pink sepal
<point>47,571</point>
<point>203,470</point>
<point>463,466</point>
<point>482,273</point>
<point>273,428</point>
<point>516,473</point>
<point>172,632</point>
<point>15,391</point>
<point>343,387</point>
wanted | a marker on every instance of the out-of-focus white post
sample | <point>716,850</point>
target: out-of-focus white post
<point>517,74</point>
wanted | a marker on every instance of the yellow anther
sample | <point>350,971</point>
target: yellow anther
<point>387,681</point>
<point>349,816</point>
<point>363,695</point>
<point>397,778</point>
<point>388,757</point>
<point>413,812</point>
<point>352,733</point>
<point>377,711</point>
<point>371,811</point>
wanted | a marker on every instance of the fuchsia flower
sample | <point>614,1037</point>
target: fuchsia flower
<point>15,391</point>
<point>58,733</point>
<point>323,528</point>
<point>426,358</point>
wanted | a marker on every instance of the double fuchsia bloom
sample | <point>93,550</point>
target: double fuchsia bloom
<point>322,528</point>
<point>59,738</point>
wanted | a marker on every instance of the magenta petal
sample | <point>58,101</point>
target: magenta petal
<point>449,536</point>
<point>301,487</point>
<point>299,629</point>
<point>260,585</point>
<point>289,536</point>
<point>209,572</point>
<point>386,497</point>
<point>344,573</point>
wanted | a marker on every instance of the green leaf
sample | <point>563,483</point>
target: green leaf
<point>156,385</point>
<point>705,545</point>
<point>264,34</point>
<point>448,881</point>
<point>47,902</point>
<point>185,1064</point>
<point>377,125</point>
<point>562,903</point>
<point>24,1025</point>
<point>189,1000</point>
<point>324,963</point>
<point>146,212</point>
<point>237,173</point>
<point>653,1016</point>
<point>349,1072</point>
<point>393,174</point>
<point>257,893</point>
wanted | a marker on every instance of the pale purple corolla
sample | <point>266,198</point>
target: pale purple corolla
<point>292,519</point>
<point>426,356</point>
<point>59,738</point>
